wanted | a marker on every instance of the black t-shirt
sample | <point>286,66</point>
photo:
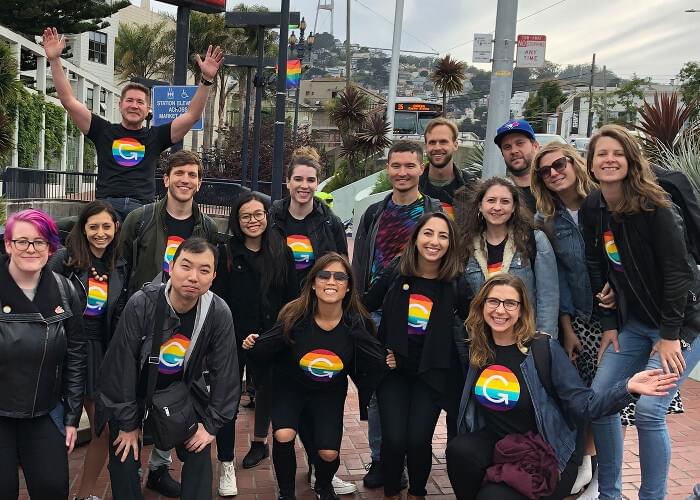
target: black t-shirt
<point>320,359</point>
<point>178,230</point>
<point>171,364</point>
<point>299,242</point>
<point>528,198</point>
<point>127,159</point>
<point>502,395</point>
<point>95,314</point>
<point>446,193</point>
<point>495,257</point>
<point>424,292</point>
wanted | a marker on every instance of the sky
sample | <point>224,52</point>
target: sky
<point>648,37</point>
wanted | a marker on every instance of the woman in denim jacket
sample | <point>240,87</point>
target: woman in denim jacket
<point>497,235</point>
<point>506,394</point>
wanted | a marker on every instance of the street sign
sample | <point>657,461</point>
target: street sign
<point>170,101</point>
<point>482,47</point>
<point>531,50</point>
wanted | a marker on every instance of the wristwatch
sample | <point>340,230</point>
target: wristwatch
<point>206,82</point>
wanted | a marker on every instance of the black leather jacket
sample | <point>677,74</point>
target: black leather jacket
<point>42,353</point>
<point>661,272</point>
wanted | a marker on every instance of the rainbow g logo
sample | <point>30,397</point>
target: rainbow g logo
<point>128,152</point>
<point>96,298</point>
<point>448,209</point>
<point>302,250</point>
<point>419,307</point>
<point>321,365</point>
<point>611,250</point>
<point>172,354</point>
<point>497,389</point>
<point>170,249</point>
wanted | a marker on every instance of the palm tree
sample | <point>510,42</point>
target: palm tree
<point>143,51</point>
<point>664,122</point>
<point>448,77</point>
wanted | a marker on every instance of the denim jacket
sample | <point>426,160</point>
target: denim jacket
<point>578,402</point>
<point>541,282</point>
<point>575,295</point>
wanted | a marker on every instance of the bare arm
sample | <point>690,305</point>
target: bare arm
<point>209,67</point>
<point>78,112</point>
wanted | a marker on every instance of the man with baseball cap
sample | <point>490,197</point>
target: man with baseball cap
<point>518,144</point>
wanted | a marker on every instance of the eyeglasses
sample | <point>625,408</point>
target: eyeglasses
<point>508,304</point>
<point>247,218</point>
<point>23,245</point>
<point>559,165</point>
<point>338,275</point>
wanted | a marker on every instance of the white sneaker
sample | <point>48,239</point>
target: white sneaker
<point>591,491</point>
<point>584,476</point>
<point>227,480</point>
<point>339,486</point>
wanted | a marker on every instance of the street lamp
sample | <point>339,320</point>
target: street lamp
<point>300,45</point>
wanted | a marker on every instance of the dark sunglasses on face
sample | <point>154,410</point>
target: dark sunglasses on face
<point>338,275</point>
<point>559,165</point>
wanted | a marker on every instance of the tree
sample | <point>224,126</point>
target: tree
<point>629,94</point>
<point>663,122</point>
<point>690,83</point>
<point>143,51</point>
<point>30,17</point>
<point>448,77</point>
<point>324,41</point>
<point>534,111</point>
<point>9,88</point>
<point>549,71</point>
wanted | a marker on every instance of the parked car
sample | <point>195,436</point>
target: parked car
<point>545,139</point>
<point>581,144</point>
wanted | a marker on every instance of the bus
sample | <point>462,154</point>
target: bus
<point>412,115</point>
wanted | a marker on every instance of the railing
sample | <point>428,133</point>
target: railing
<point>215,197</point>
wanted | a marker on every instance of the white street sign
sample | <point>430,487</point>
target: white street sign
<point>531,50</point>
<point>482,47</point>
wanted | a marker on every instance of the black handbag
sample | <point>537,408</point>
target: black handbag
<point>170,416</point>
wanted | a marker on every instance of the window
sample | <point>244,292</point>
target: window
<point>97,48</point>
<point>90,99</point>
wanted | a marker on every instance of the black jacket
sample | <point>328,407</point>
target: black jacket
<point>326,231</point>
<point>42,352</point>
<point>212,348</point>
<point>366,234</point>
<point>238,283</point>
<point>446,193</point>
<point>116,291</point>
<point>367,370</point>
<point>661,272</point>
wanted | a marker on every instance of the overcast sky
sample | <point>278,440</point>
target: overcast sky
<point>648,37</point>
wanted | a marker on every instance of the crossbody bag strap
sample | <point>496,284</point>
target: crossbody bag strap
<point>154,358</point>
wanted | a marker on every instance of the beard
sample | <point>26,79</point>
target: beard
<point>447,160</point>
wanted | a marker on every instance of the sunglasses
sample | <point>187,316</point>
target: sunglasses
<point>559,165</point>
<point>338,275</point>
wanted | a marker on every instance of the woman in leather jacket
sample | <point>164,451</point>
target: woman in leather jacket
<point>91,262</point>
<point>635,240</point>
<point>42,361</point>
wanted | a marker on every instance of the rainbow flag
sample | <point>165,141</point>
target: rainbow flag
<point>293,73</point>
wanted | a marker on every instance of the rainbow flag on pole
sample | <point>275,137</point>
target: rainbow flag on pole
<point>293,73</point>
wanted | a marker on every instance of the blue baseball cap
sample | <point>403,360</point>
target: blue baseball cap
<point>519,126</point>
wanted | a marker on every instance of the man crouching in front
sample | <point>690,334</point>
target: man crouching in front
<point>172,367</point>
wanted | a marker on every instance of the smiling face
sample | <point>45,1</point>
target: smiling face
<point>404,169</point>
<point>134,108</point>
<point>183,182</point>
<point>302,184</point>
<point>500,319</point>
<point>609,163</point>
<point>497,205</point>
<point>332,290</point>
<point>558,181</point>
<point>99,232</point>
<point>29,260</point>
<point>440,146</point>
<point>433,240</point>
<point>253,219</point>
<point>518,151</point>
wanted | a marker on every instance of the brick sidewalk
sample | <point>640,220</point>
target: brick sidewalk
<point>259,483</point>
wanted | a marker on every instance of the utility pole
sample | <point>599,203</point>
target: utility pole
<point>347,46</point>
<point>544,115</point>
<point>605,95</point>
<point>501,84</point>
<point>589,130</point>
<point>394,69</point>
<point>182,36</point>
<point>280,102</point>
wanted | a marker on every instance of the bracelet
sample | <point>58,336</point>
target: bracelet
<point>206,82</point>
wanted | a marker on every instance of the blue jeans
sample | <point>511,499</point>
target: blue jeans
<point>636,341</point>
<point>374,424</point>
<point>124,206</point>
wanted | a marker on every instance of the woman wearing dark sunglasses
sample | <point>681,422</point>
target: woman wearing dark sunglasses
<point>321,338</point>
<point>420,299</point>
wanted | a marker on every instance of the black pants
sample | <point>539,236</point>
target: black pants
<point>36,445</point>
<point>468,457</point>
<point>408,412</point>
<point>196,473</point>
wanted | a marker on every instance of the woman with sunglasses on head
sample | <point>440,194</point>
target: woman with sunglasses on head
<point>320,338</point>
<point>420,298</point>
<point>520,398</point>
<point>635,240</point>
<point>91,262</point>
<point>42,361</point>
<point>498,236</point>
<point>256,278</point>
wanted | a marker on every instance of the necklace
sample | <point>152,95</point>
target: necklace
<point>99,277</point>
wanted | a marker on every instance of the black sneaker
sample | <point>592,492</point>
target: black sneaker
<point>373,478</point>
<point>258,452</point>
<point>326,494</point>
<point>160,480</point>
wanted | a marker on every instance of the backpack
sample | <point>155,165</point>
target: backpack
<point>542,355</point>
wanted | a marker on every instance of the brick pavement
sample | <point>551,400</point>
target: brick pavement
<point>259,483</point>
